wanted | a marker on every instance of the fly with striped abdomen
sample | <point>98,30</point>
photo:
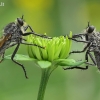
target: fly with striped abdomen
<point>13,35</point>
<point>92,40</point>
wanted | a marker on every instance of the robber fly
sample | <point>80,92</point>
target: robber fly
<point>13,35</point>
<point>92,40</point>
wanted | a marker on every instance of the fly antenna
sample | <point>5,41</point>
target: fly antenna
<point>22,16</point>
<point>88,23</point>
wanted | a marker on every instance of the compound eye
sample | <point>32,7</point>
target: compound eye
<point>20,21</point>
<point>90,29</point>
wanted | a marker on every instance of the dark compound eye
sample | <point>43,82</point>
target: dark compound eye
<point>20,21</point>
<point>90,29</point>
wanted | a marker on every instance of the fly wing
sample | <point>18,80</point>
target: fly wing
<point>3,39</point>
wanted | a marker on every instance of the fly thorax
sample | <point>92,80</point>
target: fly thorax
<point>9,29</point>
<point>91,37</point>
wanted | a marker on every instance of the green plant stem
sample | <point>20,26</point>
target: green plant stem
<point>44,79</point>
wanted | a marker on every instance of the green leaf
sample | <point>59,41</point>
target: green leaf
<point>69,62</point>
<point>20,57</point>
<point>44,64</point>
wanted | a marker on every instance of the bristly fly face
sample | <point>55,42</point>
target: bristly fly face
<point>92,40</point>
<point>13,35</point>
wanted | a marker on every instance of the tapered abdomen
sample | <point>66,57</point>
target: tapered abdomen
<point>97,58</point>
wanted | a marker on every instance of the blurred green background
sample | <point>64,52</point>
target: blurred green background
<point>55,17</point>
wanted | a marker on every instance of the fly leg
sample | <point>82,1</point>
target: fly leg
<point>25,44</point>
<point>84,49</point>
<point>28,26</point>
<point>12,58</point>
<point>32,45</point>
<point>78,40</point>
<point>2,57</point>
<point>92,58</point>
<point>32,32</point>
<point>76,67</point>
<point>86,58</point>
<point>43,36</point>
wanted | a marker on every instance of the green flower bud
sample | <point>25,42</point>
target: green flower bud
<point>55,48</point>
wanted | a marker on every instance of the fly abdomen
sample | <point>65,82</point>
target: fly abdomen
<point>97,58</point>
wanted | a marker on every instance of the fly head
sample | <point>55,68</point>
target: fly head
<point>20,21</point>
<point>90,29</point>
